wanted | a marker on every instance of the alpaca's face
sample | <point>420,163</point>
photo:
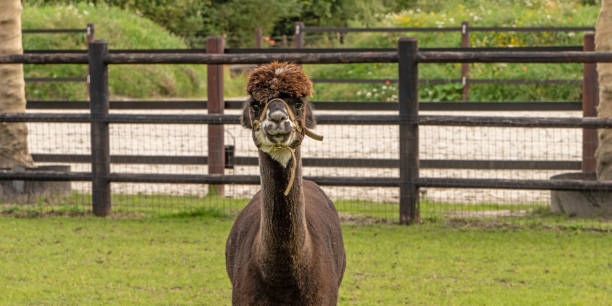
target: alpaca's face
<point>276,125</point>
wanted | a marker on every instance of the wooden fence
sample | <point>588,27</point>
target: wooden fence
<point>408,57</point>
<point>88,31</point>
<point>465,29</point>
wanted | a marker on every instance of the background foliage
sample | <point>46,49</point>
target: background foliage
<point>191,21</point>
<point>237,19</point>
<point>122,30</point>
<point>506,13</point>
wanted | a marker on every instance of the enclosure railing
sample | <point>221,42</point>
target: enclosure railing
<point>464,30</point>
<point>407,56</point>
<point>88,31</point>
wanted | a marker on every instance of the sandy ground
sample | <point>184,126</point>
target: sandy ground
<point>340,142</point>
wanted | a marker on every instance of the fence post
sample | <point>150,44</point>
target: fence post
<point>216,146</point>
<point>100,149</point>
<point>465,67</point>
<point>258,37</point>
<point>90,33</point>
<point>590,100</point>
<point>298,37</point>
<point>408,130</point>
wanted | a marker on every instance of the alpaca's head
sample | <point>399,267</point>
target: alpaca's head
<point>277,110</point>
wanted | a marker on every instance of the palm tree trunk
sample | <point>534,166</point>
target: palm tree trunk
<point>13,136</point>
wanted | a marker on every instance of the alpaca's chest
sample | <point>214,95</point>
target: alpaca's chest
<point>284,289</point>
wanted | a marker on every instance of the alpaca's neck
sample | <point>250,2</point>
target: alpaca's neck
<point>283,234</point>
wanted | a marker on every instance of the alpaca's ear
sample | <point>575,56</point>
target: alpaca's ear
<point>310,120</point>
<point>245,119</point>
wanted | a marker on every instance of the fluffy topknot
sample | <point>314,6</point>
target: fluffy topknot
<point>278,79</point>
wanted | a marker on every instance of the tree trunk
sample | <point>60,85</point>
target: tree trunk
<point>13,136</point>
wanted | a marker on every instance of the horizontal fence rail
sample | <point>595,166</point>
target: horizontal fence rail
<point>89,31</point>
<point>321,105</point>
<point>319,58</point>
<point>52,31</point>
<point>308,50</point>
<point>446,29</point>
<point>513,57</point>
<point>580,185</point>
<point>325,162</point>
<point>59,80</point>
<point>495,121</point>
<point>450,81</point>
<point>324,181</point>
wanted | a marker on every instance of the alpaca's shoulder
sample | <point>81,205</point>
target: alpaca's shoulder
<point>315,195</point>
<point>319,208</point>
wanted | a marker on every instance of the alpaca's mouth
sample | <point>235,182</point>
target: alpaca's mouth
<point>278,137</point>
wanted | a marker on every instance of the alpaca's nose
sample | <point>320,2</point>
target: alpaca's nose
<point>278,116</point>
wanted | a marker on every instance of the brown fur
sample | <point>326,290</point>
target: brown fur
<point>285,250</point>
<point>264,84</point>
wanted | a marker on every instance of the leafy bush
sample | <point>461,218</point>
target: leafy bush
<point>194,20</point>
<point>509,13</point>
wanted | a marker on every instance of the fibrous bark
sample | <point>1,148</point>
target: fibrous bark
<point>13,136</point>
<point>603,43</point>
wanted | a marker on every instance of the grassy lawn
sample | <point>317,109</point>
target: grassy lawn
<point>179,259</point>
<point>489,214</point>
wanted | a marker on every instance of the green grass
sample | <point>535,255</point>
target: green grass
<point>535,215</point>
<point>177,259</point>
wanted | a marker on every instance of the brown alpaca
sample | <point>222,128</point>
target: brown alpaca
<point>285,247</point>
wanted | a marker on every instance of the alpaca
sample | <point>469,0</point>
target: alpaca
<point>285,247</point>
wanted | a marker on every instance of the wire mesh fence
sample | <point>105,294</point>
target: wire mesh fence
<point>445,152</point>
<point>484,159</point>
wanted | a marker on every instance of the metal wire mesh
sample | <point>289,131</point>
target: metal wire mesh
<point>156,141</point>
<point>48,139</point>
<point>446,152</point>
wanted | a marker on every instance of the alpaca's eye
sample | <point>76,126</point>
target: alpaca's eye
<point>299,105</point>
<point>255,106</point>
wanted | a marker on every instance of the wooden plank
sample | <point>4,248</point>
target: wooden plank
<point>248,179</point>
<point>498,121</point>
<point>100,139</point>
<point>408,130</point>
<point>324,105</point>
<point>325,162</point>
<point>580,185</point>
<point>216,144</point>
<point>514,57</point>
<point>590,97</point>
<point>319,58</point>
